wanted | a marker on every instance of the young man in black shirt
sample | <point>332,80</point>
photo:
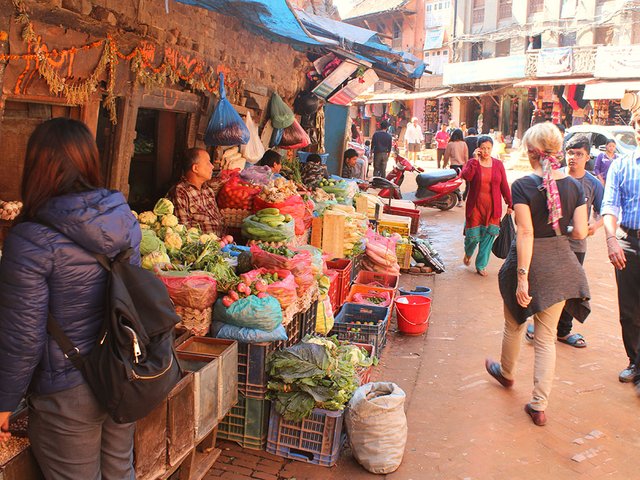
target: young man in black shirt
<point>381,148</point>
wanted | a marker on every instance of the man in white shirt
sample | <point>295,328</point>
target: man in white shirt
<point>413,138</point>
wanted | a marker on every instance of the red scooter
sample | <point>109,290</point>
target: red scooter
<point>440,189</point>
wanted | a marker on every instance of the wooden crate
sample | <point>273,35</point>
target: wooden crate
<point>205,391</point>
<point>181,420</point>
<point>150,444</point>
<point>327,234</point>
<point>227,384</point>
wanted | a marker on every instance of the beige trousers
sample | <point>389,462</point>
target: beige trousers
<point>545,324</point>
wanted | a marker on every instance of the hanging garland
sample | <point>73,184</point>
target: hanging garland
<point>174,67</point>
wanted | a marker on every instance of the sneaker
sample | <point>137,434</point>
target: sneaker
<point>628,374</point>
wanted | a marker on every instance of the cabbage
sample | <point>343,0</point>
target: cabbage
<point>154,258</point>
<point>163,207</point>
<point>169,220</point>
<point>150,243</point>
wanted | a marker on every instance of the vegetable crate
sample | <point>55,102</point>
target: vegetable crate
<point>252,360</point>
<point>362,324</point>
<point>375,279</point>
<point>247,423</point>
<point>414,215</point>
<point>317,439</point>
<point>308,320</point>
<point>373,291</point>
<point>343,266</point>
<point>394,224</point>
<point>356,267</point>
<point>364,373</point>
<point>333,293</point>
<point>403,252</point>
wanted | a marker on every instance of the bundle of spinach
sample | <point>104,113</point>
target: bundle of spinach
<point>313,373</point>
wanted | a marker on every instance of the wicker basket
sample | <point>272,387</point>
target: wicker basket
<point>193,320</point>
<point>233,217</point>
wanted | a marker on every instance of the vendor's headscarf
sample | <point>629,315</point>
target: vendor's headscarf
<point>550,162</point>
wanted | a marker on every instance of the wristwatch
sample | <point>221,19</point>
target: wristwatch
<point>522,271</point>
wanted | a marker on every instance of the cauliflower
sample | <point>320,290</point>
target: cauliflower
<point>154,258</point>
<point>205,237</point>
<point>144,227</point>
<point>169,220</point>
<point>148,218</point>
<point>172,241</point>
<point>193,235</point>
<point>179,228</point>
<point>163,207</point>
<point>162,232</point>
<point>134,213</point>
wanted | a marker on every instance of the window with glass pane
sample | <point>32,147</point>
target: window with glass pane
<point>503,48</point>
<point>536,6</point>
<point>478,11</point>
<point>476,50</point>
<point>504,9</point>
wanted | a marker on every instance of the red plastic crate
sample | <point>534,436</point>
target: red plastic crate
<point>405,212</point>
<point>366,289</point>
<point>334,294</point>
<point>375,279</point>
<point>343,266</point>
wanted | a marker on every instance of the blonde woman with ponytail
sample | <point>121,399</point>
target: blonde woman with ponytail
<point>541,274</point>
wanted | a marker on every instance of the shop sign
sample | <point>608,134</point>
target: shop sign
<point>434,38</point>
<point>618,61</point>
<point>483,71</point>
<point>354,88</point>
<point>554,62</point>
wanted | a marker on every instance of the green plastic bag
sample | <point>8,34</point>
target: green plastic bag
<point>250,312</point>
<point>255,230</point>
<point>281,115</point>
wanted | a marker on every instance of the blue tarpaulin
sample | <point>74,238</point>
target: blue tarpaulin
<point>275,20</point>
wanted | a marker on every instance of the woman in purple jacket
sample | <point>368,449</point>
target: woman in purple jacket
<point>45,270</point>
<point>487,187</point>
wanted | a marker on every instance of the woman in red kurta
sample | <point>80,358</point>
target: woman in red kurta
<point>487,187</point>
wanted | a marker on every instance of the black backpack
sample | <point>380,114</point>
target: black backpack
<point>133,367</point>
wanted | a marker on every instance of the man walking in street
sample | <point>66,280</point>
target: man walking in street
<point>381,148</point>
<point>442,139</point>
<point>621,212</point>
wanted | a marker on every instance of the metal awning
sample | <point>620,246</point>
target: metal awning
<point>609,90</point>
<point>389,97</point>
<point>466,94</point>
<point>552,82</point>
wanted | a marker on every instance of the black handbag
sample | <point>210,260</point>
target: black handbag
<point>507,235</point>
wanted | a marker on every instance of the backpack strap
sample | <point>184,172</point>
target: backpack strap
<point>69,350</point>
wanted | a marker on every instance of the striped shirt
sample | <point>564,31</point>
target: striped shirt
<point>622,191</point>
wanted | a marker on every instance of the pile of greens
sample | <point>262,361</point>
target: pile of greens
<point>316,373</point>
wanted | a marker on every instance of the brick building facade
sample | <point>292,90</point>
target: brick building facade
<point>154,124</point>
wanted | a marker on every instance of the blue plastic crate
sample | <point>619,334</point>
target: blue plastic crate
<point>353,323</point>
<point>303,156</point>
<point>317,439</point>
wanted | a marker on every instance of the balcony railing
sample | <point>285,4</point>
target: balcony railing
<point>478,16</point>
<point>583,61</point>
<point>505,11</point>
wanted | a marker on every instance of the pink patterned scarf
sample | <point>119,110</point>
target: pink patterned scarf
<point>549,163</point>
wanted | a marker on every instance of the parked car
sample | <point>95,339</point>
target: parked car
<point>599,134</point>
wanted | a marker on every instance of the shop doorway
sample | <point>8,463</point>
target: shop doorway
<point>158,147</point>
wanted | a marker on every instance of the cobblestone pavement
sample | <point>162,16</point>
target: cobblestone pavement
<point>462,424</point>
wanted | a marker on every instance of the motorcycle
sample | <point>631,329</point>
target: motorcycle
<point>440,189</point>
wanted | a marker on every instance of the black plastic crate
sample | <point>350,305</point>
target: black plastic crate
<point>353,323</point>
<point>317,439</point>
<point>356,266</point>
<point>247,423</point>
<point>252,360</point>
<point>308,320</point>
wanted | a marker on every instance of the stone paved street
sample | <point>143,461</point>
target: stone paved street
<point>462,424</point>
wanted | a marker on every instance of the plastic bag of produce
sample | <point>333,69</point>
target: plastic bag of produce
<point>299,264</point>
<point>381,253</point>
<point>190,289</point>
<point>317,262</point>
<point>254,149</point>
<point>294,137</point>
<point>324,316</point>
<point>280,284</point>
<point>254,229</point>
<point>343,190</point>
<point>250,312</point>
<point>225,126</point>
<point>377,426</point>
<point>236,193</point>
<point>378,299</point>
<point>247,335</point>
<point>293,206</point>
<point>257,175</point>
<point>281,115</point>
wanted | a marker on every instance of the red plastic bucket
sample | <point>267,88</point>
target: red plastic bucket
<point>413,316</point>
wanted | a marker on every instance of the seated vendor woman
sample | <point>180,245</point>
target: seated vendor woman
<point>193,197</point>
<point>273,160</point>
<point>313,170</point>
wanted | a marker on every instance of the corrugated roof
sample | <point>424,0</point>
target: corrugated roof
<point>371,7</point>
